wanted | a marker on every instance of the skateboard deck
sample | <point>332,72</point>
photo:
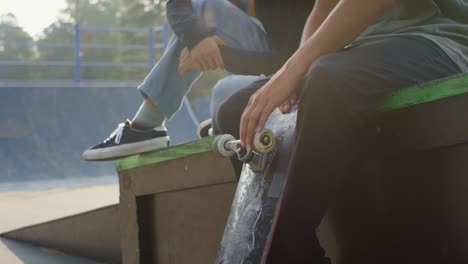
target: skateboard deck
<point>248,233</point>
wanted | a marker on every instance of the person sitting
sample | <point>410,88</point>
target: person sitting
<point>209,35</point>
<point>351,52</point>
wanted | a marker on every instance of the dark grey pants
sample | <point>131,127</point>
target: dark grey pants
<point>338,89</point>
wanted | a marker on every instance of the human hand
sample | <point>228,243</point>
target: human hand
<point>287,105</point>
<point>185,62</point>
<point>206,55</point>
<point>279,89</point>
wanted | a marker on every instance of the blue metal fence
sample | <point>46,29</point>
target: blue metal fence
<point>77,46</point>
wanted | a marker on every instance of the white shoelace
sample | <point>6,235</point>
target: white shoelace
<point>118,133</point>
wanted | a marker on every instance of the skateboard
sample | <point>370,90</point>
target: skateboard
<point>255,209</point>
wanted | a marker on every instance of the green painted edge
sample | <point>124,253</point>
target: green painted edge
<point>426,92</point>
<point>430,91</point>
<point>175,152</point>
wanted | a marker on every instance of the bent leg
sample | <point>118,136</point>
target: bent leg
<point>224,89</point>
<point>229,113</point>
<point>339,88</point>
<point>166,87</point>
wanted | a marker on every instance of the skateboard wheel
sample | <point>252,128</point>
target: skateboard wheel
<point>264,141</point>
<point>219,146</point>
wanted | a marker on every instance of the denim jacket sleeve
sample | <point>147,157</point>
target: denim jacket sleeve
<point>188,28</point>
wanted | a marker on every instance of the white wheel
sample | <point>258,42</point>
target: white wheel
<point>219,146</point>
<point>264,141</point>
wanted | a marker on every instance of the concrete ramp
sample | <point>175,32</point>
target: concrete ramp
<point>94,234</point>
<point>49,196</point>
<point>45,127</point>
<point>79,222</point>
<point>14,252</point>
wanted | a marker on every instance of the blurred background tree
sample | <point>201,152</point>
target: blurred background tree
<point>145,14</point>
<point>141,14</point>
<point>25,52</point>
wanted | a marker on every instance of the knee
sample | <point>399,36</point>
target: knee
<point>227,118</point>
<point>203,9</point>
<point>223,89</point>
<point>227,87</point>
<point>223,114</point>
<point>324,78</point>
<point>209,9</point>
<point>332,85</point>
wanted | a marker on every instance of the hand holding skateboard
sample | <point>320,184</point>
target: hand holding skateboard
<point>258,156</point>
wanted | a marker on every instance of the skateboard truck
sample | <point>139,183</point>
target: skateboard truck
<point>258,157</point>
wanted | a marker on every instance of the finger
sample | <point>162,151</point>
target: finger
<point>264,117</point>
<point>205,65</point>
<point>286,108</point>
<point>212,62</point>
<point>219,41</point>
<point>184,54</point>
<point>293,99</point>
<point>219,60</point>
<point>251,125</point>
<point>182,66</point>
<point>180,69</point>
<point>199,61</point>
<point>184,60</point>
<point>198,65</point>
<point>243,124</point>
<point>184,69</point>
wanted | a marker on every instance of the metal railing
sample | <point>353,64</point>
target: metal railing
<point>77,46</point>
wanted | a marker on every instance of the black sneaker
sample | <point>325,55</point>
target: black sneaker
<point>126,141</point>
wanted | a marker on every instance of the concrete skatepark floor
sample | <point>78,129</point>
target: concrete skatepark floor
<point>44,127</point>
<point>25,208</point>
<point>13,252</point>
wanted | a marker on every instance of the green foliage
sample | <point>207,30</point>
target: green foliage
<point>102,13</point>
<point>139,14</point>
<point>13,34</point>
<point>55,36</point>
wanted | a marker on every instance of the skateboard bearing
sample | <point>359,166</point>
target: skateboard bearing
<point>264,141</point>
<point>227,145</point>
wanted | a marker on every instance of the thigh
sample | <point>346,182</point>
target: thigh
<point>227,87</point>
<point>338,89</point>
<point>233,25</point>
<point>356,76</point>
<point>230,111</point>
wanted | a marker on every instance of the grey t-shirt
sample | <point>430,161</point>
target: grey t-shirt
<point>443,21</point>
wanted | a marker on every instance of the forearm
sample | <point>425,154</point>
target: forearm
<point>321,10</point>
<point>347,21</point>
<point>189,28</point>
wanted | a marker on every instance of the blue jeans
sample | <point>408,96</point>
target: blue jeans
<point>167,88</point>
<point>225,88</point>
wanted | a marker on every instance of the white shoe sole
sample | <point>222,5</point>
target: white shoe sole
<point>125,150</point>
<point>202,130</point>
